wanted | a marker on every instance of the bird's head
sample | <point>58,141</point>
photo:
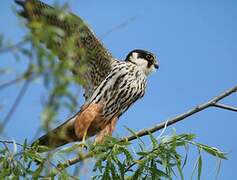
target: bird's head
<point>143,59</point>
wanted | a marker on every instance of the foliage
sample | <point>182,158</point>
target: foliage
<point>114,159</point>
<point>161,160</point>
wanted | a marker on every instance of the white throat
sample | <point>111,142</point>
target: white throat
<point>141,63</point>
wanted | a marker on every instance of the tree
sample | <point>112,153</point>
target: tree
<point>119,158</point>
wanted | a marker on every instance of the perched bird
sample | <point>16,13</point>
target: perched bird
<point>111,86</point>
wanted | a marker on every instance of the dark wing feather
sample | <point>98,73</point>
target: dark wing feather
<point>88,50</point>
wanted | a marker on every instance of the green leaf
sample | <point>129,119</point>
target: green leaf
<point>134,134</point>
<point>121,169</point>
<point>37,172</point>
<point>194,169</point>
<point>25,145</point>
<point>153,140</point>
<point>1,40</point>
<point>160,173</point>
<point>180,170</point>
<point>141,153</point>
<point>138,172</point>
<point>189,137</point>
<point>218,168</point>
<point>181,143</point>
<point>211,150</point>
<point>127,153</point>
<point>113,170</point>
<point>186,156</point>
<point>199,167</point>
<point>106,175</point>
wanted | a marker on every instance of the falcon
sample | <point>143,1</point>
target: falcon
<point>111,86</point>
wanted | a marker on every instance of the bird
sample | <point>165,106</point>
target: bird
<point>110,85</point>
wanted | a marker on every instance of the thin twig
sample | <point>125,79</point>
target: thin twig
<point>28,74</point>
<point>11,142</point>
<point>11,82</point>
<point>15,104</point>
<point>14,46</point>
<point>223,106</point>
<point>157,127</point>
<point>29,77</point>
<point>120,26</point>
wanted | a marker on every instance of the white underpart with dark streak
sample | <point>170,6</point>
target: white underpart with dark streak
<point>121,88</point>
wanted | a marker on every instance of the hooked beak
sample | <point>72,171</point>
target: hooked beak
<point>156,66</point>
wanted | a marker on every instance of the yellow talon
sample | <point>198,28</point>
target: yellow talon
<point>84,140</point>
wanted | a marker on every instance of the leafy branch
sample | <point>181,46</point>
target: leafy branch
<point>211,103</point>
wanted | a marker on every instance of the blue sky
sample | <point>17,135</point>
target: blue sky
<point>196,44</point>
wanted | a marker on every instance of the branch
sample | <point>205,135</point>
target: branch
<point>223,106</point>
<point>70,162</point>
<point>211,103</point>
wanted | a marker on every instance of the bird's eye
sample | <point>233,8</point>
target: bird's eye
<point>149,57</point>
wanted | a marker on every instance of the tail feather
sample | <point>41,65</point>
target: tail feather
<point>60,136</point>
